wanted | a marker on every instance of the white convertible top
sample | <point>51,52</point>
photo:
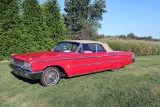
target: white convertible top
<point>105,45</point>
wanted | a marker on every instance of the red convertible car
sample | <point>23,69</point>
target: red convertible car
<point>69,58</point>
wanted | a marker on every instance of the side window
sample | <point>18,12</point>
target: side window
<point>89,48</point>
<point>66,47</point>
<point>100,48</point>
<point>74,47</point>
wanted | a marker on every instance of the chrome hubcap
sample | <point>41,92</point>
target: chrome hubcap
<point>51,77</point>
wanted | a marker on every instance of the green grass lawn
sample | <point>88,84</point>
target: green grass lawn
<point>136,85</point>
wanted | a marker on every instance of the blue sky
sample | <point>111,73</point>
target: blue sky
<point>141,17</point>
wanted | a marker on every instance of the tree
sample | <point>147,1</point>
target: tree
<point>97,9</point>
<point>33,23</point>
<point>82,17</point>
<point>9,27</point>
<point>24,27</point>
<point>89,30</point>
<point>149,38</point>
<point>55,28</point>
<point>131,36</point>
<point>9,17</point>
<point>122,36</point>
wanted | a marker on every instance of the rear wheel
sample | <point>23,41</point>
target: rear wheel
<point>50,76</point>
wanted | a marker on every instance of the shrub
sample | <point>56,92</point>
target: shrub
<point>140,47</point>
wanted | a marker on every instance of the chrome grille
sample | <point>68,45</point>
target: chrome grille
<point>18,63</point>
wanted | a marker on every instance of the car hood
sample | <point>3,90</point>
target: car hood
<point>49,55</point>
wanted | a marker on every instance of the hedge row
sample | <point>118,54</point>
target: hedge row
<point>37,28</point>
<point>140,47</point>
<point>22,44</point>
<point>137,46</point>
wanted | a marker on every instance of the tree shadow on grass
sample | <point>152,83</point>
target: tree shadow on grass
<point>25,79</point>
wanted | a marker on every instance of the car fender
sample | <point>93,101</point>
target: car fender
<point>117,65</point>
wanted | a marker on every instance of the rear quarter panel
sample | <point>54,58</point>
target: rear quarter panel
<point>120,59</point>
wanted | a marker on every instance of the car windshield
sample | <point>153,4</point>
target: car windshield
<point>65,47</point>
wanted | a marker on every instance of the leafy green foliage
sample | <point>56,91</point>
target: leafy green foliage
<point>33,22</point>
<point>54,25</point>
<point>9,17</point>
<point>9,28</point>
<point>82,17</point>
<point>140,47</point>
<point>26,27</point>
<point>97,9</point>
<point>131,36</point>
<point>89,30</point>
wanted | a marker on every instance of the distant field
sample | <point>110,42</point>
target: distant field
<point>137,85</point>
<point>140,47</point>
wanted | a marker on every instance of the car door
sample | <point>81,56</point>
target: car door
<point>87,59</point>
<point>103,59</point>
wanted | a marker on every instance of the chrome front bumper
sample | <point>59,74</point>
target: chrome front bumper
<point>25,73</point>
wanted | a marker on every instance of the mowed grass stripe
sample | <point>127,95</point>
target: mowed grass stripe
<point>134,85</point>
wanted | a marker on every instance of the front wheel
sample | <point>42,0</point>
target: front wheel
<point>50,76</point>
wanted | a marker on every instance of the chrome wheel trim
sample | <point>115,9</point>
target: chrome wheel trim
<point>51,77</point>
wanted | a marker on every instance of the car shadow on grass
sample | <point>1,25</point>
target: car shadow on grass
<point>25,79</point>
<point>93,73</point>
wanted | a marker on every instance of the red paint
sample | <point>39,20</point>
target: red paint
<point>77,63</point>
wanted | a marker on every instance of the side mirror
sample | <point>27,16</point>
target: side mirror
<point>82,51</point>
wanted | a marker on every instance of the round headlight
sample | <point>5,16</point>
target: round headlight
<point>27,66</point>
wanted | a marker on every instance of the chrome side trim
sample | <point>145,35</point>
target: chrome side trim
<point>78,58</point>
<point>102,62</point>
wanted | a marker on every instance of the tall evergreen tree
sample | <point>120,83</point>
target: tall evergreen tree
<point>55,27</point>
<point>82,17</point>
<point>96,10</point>
<point>76,13</point>
<point>33,23</point>
<point>9,27</point>
<point>9,17</point>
